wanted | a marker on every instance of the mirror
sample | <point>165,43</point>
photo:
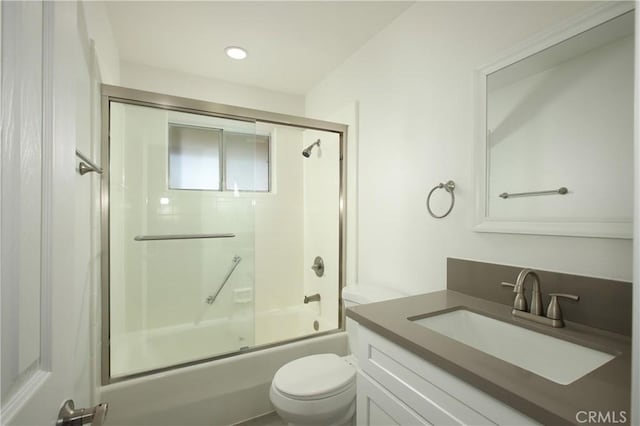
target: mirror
<point>555,130</point>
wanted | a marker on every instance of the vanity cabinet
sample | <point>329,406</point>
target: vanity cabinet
<point>396,386</point>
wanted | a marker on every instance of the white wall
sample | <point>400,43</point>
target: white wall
<point>99,30</point>
<point>321,223</point>
<point>175,83</point>
<point>279,234</point>
<point>415,89</point>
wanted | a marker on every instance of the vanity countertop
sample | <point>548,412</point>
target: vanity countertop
<point>606,389</point>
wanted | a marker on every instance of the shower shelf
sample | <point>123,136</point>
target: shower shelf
<point>180,237</point>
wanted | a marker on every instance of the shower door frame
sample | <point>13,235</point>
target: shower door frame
<point>175,103</point>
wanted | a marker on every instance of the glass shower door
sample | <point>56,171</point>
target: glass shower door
<point>181,234</point>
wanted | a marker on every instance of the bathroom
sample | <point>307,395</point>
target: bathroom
<point>402,80</point>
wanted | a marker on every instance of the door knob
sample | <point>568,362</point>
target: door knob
<point>69,415</point>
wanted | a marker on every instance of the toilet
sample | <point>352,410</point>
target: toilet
<point>320,390</point>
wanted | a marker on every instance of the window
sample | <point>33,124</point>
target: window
<point>246,162</point>
<point>213,159</point>
<point>194,157</point>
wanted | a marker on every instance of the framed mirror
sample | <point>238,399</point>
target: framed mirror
<point>554,149</point>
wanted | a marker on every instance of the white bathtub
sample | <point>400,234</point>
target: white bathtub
<point>290,323</point>
<point>219,392</point>
<point>142,351</point>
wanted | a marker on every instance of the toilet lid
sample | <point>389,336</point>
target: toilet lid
<point>314,377</point>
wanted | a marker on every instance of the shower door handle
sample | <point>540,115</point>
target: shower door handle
<point>181,237</point>
<point>69,415</point>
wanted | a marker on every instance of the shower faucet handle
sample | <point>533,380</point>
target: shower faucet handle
<point>318,266</point>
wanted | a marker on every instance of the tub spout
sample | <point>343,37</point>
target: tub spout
<point>312,298</point>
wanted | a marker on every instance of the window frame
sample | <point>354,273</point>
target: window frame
<point>222,160</point>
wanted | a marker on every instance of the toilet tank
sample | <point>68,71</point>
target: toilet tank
<point>361,294</point>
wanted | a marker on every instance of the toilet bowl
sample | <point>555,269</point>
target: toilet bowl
<point>320,390</point>
<point>315,390</point>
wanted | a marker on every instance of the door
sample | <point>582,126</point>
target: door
<point>44,318</point>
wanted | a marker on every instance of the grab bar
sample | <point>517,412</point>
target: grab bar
<point>180,237</point>
<point>561,191</point>
<point>235,261</point>
<point>87,165</point>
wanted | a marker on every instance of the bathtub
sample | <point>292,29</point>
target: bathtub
<point>290,323</point>
<point>141,351</point>
<point>220,392</point>
<point>149,350</point>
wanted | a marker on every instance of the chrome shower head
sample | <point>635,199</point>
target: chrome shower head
<point>307,151</point>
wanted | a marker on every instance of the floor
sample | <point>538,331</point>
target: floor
<point>271,419</point>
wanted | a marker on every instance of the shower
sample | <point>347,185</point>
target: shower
<point>307,151</point>
<point>192,272</point>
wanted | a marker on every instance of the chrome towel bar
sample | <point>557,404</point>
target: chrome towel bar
<point>561,191</point>
<point>87,165</point>
<point>180,237</point>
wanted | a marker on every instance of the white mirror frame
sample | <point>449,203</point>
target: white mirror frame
<point>604,228</point>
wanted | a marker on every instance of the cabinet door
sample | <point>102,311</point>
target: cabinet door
<point>377,407</point>
<point>432,393</point>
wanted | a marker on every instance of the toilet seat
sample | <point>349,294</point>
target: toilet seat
<point>316,390</point>
<point>315,377</point>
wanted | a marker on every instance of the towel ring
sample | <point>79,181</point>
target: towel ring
<point>449,187</point>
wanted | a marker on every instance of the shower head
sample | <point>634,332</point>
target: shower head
<point>307,151</point>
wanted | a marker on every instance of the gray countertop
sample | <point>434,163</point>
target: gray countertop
<point>606,389</point>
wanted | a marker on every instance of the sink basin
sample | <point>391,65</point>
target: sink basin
<point>554,359</point>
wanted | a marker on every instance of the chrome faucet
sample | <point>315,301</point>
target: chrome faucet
<point>554,314</point>
<point>520,302</point>
<point>312,298</point>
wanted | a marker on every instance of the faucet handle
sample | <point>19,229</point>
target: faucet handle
<point>520,302</point>
<point>565,295</point>
<point>553,311</point>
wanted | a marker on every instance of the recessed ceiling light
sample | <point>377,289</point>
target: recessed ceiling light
<point>236,52</point>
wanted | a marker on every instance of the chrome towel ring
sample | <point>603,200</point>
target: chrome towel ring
<point>449,187</point>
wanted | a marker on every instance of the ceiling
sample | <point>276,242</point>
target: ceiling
<point>292,45</point>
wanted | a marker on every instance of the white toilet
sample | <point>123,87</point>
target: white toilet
<point>320,390</point>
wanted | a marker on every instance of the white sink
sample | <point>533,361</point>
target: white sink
<point>554,359</point>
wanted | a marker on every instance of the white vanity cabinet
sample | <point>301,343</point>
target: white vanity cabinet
<point>397,387</point>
